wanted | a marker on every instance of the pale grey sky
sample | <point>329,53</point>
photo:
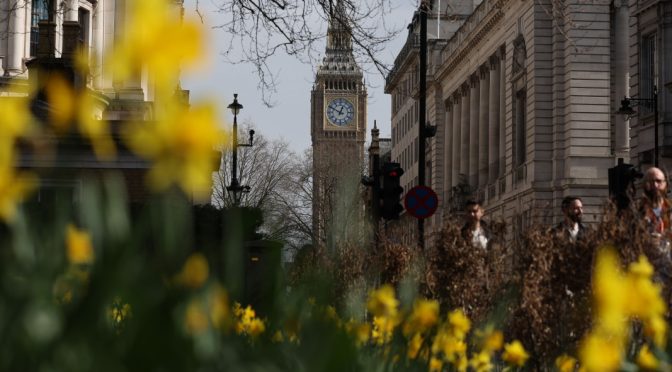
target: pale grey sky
<point>290,116</point>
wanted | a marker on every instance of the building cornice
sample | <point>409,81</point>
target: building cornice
<point>481,23</point>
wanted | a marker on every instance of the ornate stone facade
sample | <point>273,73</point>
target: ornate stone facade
<point>338,132</point>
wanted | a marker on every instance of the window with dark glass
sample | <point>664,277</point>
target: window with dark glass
<point>39,12</point>
<point>648,69</point>
<point>84,18</point>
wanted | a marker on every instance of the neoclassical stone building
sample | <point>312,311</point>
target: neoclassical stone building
<point>45,35</point>
<point>524,95</point>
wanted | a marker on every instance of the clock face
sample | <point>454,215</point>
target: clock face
<point>340,112</point>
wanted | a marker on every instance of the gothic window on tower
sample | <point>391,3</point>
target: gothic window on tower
<point>649,71</point>
<point>39,12</point>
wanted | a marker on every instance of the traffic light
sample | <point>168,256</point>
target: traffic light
<point>620,179</point>
<point>391,192</point>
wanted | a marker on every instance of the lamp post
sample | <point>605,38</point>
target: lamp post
<point>235,187</point>
<point>651,103</point>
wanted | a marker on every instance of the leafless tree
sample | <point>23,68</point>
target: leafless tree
<point>258,30</point>
<point>279,184</point>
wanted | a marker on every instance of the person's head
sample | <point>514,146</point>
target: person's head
<point>655,183</point>
<point>474,212</point>
<point>572,208</point>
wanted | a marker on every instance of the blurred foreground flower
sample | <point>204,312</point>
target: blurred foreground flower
<point>195,271</point>
<point>78,245</point>
<point>515,354</point>
<point>247,321</point>
<point>424,316</point>
<point>383,301</point>
<point>75,107</point>
<point>181,147</point>
<point>14,188</point>
<point>158,39</point>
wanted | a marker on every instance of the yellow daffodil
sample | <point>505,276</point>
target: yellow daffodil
<point>78,246</point>
<point>181,148</point>
<point>383,328</point>
<point>247,321</point>
<point>278,337</point>
<point>14,188</point>
<point>599,353</point>
<point>383,302</point>
<point>424,316</point>
<point>515,354</point>
<point>195,318</point>
<point>492,340</point>
<point>157,39</point>
<point>655,328</point>
<point>72,107</point>
<point>414,345</point>
<point>481,362</point>
<point>565,363</point>
<point>459,323</point>
<point>435,365</point>
<point>15,122</point>
<point>219,307</point>
<point>195,271</point>
<point>646,360</point>
<point>361,331</point>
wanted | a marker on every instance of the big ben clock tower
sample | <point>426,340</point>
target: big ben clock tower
<point>338,130</point>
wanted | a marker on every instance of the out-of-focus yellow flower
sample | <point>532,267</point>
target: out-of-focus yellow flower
<point>70,107</point>
<point>459,323</point>
<point>492,340</point>
<point>515,354</point>
<point>383,302</point>
<point>158,39</point>
<point>642,268</point>
<point>655,328</point>
<point>646,360</point>
<point>599,353</point>
<point>256,327</point>
<point>78,246</point>
<point>14,188</point>
<point>565,363</point>
<point>414,345</point>
<point>196,318</point>
<point>218,301</point>
<point>119,311</point>
<point>481,362</point>
<point>435,365</point>
<point>609,287</point>
<point>181,147</point>
<point>15,122</point>
<point>195,271</point>
<point>278,337</point>
<point>424,316</point>
<point>361,331</point>
<point>383,328</point>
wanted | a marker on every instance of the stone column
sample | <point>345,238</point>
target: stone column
<point>71,11</point>
<point>16,36</point>
<point>493,140</point>
<point>457,138</point>
<point>473,129</point>
<point>502,113</point>
<point>132,86</point>
<point>98,47</point>
<point>621,77</point>
<point>464,120</point>
<point>448,151</point>
<point>483,128</point>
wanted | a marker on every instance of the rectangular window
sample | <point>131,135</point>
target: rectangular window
<point>84,18</point>
<point>40,12</point>
<point>520,134</point>
<point>649,71</point>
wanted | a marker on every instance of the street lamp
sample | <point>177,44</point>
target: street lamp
<point>651,103</point>
<point>235,187</point>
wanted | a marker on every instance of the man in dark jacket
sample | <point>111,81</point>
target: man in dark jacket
<point>571,228</point>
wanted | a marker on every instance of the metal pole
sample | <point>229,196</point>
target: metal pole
<point>234,163</point>
<point>421,115</point>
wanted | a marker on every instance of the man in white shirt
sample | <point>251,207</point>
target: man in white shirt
<point>475,230</point>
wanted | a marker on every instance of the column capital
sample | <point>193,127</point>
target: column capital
<point>466,88</point>
<point>474,79</point>
<point>484,71</point>
<point>494,61</point>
